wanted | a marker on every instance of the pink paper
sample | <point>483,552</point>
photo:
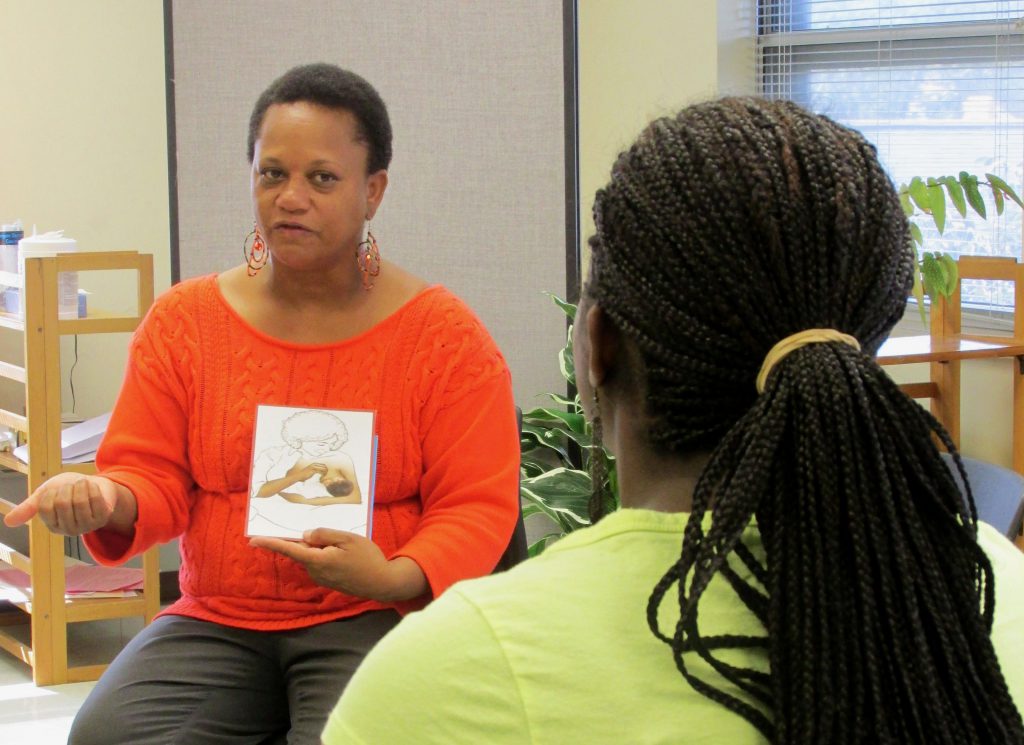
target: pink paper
<point>89,578</point>
<point>83,578</point>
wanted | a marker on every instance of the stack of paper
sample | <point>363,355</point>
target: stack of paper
<point>78,443</point>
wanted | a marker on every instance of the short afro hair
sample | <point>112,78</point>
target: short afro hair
<point>333,88</point>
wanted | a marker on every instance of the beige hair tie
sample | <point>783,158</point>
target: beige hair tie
<point>795,341</point>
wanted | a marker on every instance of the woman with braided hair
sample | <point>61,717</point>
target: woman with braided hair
<point>793,562</point>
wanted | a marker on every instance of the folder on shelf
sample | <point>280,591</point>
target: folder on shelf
<point>78,443</point>
<point>81,581</point>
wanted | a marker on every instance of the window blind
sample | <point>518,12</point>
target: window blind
<point>938,87</point>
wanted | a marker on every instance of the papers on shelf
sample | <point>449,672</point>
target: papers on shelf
<point>81,581</point>
<point>78,443</point>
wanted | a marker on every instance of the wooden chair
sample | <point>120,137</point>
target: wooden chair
<point>946,347</point>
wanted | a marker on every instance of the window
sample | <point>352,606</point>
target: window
<point>937,86</point>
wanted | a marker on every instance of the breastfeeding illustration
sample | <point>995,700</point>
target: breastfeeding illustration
<point>305,469</point>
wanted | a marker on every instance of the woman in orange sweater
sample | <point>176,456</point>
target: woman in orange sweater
<point>267,632</point>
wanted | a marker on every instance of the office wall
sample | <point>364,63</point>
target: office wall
<point>83,147</point>
<point>737,47</point>
<point>84,126</point>
<point>637,60</point>
<point>986,405</point>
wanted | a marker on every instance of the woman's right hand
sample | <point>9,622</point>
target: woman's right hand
<point>69,504</point>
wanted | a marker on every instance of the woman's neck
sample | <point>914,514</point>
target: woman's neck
<point>332,290</point>
<point>652,479</point>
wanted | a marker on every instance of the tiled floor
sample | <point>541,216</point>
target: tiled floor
<point>43,715</point>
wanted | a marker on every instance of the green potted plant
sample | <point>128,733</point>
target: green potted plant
<point>556,450</point>
<point>937,273</point>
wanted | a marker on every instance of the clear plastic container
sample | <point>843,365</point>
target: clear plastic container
<point>51,244</point>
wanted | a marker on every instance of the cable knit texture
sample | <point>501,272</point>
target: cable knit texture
<point>180,438</point>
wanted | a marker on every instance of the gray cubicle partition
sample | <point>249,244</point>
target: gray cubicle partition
<point>477,93</point>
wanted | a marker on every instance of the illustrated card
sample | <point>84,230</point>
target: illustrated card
<point>311,468</point>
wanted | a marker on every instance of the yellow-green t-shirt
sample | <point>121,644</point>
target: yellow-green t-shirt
<point>558,651</point>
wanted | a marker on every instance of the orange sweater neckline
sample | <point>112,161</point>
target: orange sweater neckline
<point>214,287</point>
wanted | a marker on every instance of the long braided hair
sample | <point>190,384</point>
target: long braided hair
<point>723,230</point>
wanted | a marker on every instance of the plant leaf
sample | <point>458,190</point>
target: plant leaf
<point>915,233</point>
<point>970,184</point>
<point>566,364</point>
<point>542,414</point>
<point>562,485</point>
<point>934,276</point>
<point>556,435</point>
<point>1004,187</point>
<point>952,273</point>
<point>562,400</point>
<point>537,547</point>
<point>908,208</point>
<point>956,194</point>
<point>531,467</point>
<point>919,193</point>
<point>563,520</point>
<point>918,292</point>
<point>997,196</point>
<point>563,494</point>
<point>549,438</point>
<point>568,308</point>
<point>917,288</point>
<point>937,201</point>
<point>530,509</point>
<point>573,420</point>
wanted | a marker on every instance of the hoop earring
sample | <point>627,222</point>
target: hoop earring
<point>598,505</point>
<point>254,251</point>
<point>368,259</point>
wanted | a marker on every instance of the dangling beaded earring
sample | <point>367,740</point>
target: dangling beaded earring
<point>255,251</point>
<point>368,258</point>
<point>597,507</point>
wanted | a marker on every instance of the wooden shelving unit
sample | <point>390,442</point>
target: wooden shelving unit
<point>946,346</point>
<point>49,612</point>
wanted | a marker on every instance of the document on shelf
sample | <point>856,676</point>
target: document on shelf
<point>78,443</point>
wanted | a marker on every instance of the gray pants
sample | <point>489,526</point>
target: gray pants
<point>181,680</point>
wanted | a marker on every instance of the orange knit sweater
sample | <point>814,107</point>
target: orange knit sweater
<point>180,439</point>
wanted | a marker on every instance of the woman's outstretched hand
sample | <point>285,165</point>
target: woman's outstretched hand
<point>73,503</point>
<point>351,564</point>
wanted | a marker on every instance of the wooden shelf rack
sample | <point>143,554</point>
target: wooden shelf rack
<point>48,610</point>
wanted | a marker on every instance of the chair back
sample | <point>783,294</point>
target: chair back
<point>998,493</point>
<point>516,550</point>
